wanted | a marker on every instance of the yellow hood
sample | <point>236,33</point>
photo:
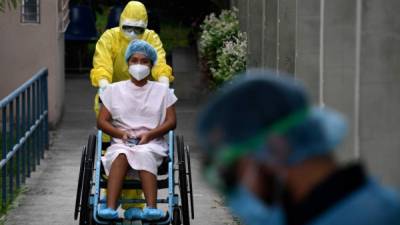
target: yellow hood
<point>134,14</point>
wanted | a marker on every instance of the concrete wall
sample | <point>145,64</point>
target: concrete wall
<point>25,48</point>
<point>379,88</point>
<point>346,52</point>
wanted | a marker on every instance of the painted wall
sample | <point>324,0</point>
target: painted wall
<point>346,52</point>
<point>25,48</point>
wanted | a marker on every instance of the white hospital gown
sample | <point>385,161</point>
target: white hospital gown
<point>137,110</point>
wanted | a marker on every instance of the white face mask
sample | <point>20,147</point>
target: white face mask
<point>139,71</point>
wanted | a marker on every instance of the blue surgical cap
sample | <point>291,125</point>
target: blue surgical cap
<point>140,46</point>
<point>260,101</point>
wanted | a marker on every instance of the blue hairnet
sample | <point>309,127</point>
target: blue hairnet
<point>139,46</point>
<point>256,102</point>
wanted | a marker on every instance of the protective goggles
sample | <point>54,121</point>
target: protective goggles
<point>130,29</point>
<point>220,169</point>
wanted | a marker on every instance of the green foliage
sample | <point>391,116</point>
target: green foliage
<point>174,35</point>
<point>215,31</point>
<point>10,4</point>
<point>223,46</point>
<point>101,19</point>
<point>101,23</point>
<point>231,59</point>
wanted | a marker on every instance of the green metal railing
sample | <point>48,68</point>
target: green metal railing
<point>24,133</point>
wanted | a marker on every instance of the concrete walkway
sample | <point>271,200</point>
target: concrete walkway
<point>49,196</point>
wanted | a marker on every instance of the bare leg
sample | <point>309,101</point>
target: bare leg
<point>118,171</point>
<point>149,186</point>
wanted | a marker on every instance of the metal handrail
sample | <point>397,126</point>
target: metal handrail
<point>24,132</point>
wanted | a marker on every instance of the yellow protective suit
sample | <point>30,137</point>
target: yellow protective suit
<point>109,62</point>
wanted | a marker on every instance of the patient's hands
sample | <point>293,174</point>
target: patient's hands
<point>145,138</point>
<point>126,136</point>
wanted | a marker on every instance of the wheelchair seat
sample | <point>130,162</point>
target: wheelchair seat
<point>162,182</point>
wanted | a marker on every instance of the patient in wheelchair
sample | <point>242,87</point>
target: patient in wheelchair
<point>136,113</point>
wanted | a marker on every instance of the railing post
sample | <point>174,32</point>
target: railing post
<point>46,107</point>
<point>29,141</point>
<point>18,135</point>
<point>37,131</point>
<point>24,126</point>
<point>33,122</point>
<point>9,148</point>
<point>4,156</point>
<point>41,127</point>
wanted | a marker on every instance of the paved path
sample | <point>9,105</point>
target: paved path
<point>49,195</point>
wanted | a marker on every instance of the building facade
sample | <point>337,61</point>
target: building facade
<point>32,37</point>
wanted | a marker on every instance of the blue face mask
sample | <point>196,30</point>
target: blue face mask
<point>253,211</point>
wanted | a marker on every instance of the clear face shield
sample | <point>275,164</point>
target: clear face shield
<point>220,169</point>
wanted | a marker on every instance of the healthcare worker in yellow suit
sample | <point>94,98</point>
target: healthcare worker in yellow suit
<point>109,63</point>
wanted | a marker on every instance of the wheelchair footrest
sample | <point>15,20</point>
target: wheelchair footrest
<point>111,221</point>
<point>161,220</point>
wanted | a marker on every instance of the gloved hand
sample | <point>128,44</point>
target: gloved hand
<point>164,80</point>
<point>103,83</point>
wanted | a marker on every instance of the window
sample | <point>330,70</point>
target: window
<point>63,15</point>
<point>30,11</point>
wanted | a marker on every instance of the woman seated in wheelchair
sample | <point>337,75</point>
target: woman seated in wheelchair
<point>136,113</point>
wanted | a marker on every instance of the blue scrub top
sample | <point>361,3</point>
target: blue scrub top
<point>370,205</point>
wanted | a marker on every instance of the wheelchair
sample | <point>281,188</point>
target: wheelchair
<point>92,179</point>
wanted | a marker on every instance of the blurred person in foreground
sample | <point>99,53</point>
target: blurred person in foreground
<point>270,153</point>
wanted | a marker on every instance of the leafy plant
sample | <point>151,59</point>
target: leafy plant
<point>215,31</point>
<point>231,59</point>
<point>223,46</point>
<point>10,4</point>
<point>174,35</point>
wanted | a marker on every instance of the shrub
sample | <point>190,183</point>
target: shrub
<point>215,31</point>
<point>231,59</point>
<point>223,46</point>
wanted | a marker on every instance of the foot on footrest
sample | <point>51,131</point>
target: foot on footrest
<point>152,214</point>
<point>108,213</point>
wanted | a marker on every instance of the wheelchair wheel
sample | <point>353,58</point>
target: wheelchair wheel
<point>79,189</point>
<point>183,180</point>
<point>176,216</point>
<point>86,209</point>
<point>189,167</point>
